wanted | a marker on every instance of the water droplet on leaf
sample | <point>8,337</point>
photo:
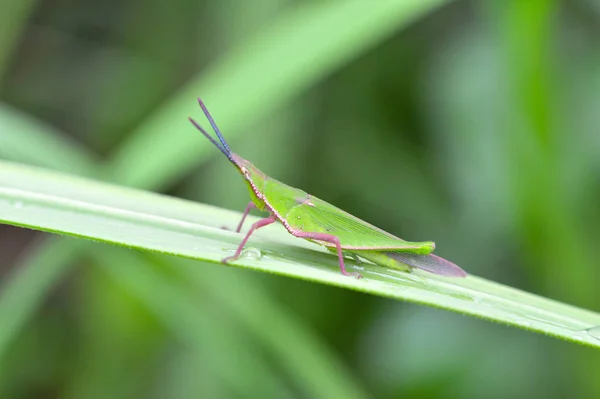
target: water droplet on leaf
<point>251,253</point>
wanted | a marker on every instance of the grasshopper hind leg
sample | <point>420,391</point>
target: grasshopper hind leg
<point>331,239</point>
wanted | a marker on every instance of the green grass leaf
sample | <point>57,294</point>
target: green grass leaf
<point>12,24</point>
<point>199,325</point>
<point>242,86</point>
<point>194,322</point>
<point>18,300</point>
<point>73,206</point>
<point>28,140</point>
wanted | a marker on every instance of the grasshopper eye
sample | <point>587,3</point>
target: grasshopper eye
<point>245,172</point>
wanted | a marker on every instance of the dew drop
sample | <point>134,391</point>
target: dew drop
<point>17,204</point>
<point>251,253</point>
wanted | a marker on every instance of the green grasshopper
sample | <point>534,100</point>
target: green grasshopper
<point>308,217</point>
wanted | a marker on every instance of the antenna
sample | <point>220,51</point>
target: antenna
<point>205,133</point>
<point>214,125</point>
<point>223,147</point>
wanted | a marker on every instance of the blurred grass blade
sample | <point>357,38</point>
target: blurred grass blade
<point>308,360</point>
<point>24,289</point>
<point>12,20</point>
<point>152,290</point>
<point>54,202</point>
<point>254,78</point>
<point>30,141</point>
<point>194,323</point>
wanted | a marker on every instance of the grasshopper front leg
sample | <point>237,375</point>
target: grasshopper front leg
<point>251,205</point>
<point>255,226</point>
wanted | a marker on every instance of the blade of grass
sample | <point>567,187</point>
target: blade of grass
<point>253,79</point>
<point>30,141</point>
<point>20,292</point>
<point>12,20</point>
<point>54,202</point>
<point>195,324</point>
<point>309,361</point>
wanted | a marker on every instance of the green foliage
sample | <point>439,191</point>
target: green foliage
<point>82,208</point>
<point>470,124</point>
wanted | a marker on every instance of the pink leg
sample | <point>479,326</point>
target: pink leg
<point>328,238</point>
<point>250,206</point>
<point>257,225</point>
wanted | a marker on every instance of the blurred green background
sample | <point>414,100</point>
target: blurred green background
<point>474,124</point>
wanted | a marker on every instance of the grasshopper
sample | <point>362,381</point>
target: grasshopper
<point>306,216</point>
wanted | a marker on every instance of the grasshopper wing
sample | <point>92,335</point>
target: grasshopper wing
<point>315,215</point>
<point>430,263</point>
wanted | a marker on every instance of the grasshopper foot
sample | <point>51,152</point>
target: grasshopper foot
<point>229,258</point>
<point>355,275</point>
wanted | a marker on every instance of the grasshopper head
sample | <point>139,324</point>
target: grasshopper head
<point>247,169</point>
<point>253,176</point>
